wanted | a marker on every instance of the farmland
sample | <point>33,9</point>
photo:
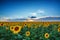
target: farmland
<point>29,30</point>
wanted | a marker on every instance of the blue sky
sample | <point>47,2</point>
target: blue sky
<point>25,8</point>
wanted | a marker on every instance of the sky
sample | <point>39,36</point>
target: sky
<point>27,8</point>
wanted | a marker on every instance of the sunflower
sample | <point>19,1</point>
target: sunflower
<point>46,35</point>
<point>29,25</point>
<point>17,29</point>
<point>36,26</point>
<point>2,24</point>
<point>28,33</point>
<point>12,28</point>
<point>46,24</point>
<point>7,28</point>
<point>59,29</point>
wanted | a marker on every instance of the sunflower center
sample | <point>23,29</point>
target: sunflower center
<point>27,33</point>
<point>16,28</point>
<point>12,28</point>
<point>1,24</point>
<point>59,28</point>
<point>46,35</point>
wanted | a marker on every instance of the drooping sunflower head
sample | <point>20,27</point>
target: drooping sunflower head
<point>7,28</point>
<point>59,29</point>
<point>46,35</point>
<point>28,33</point>
<point>17,29</point>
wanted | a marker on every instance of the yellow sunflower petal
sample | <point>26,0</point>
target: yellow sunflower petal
<point>12,28</point>
<point>59,29</point>
<point>28,33</point>
<point>7,27</point>
<point>2,24</point>
<point>46,24</point>
<point>17,29</point>
<point>46,35</point>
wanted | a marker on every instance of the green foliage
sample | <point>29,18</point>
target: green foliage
<point>35,33</point>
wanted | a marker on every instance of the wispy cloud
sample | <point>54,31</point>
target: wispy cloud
<point>33,14</point>
<point>40,11</point>
<point>4,18</point>
<point>37,12</point>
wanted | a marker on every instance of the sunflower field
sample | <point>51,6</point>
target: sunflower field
<point>30,31</point>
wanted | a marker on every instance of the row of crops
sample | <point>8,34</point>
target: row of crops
<point>30,32</point>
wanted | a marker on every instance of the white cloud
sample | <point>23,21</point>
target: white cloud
<point>44,16</point>
<point>37,12</point>
<point>21,17</point>
<point>40,11</point>
<point>33,14</point>
<point>16,16</point>
<point>4,18</point>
